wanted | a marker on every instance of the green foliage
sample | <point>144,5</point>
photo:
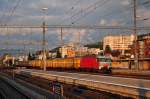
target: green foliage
<point>58,54</point>
<point>95,45</point>
<point>107,50</point>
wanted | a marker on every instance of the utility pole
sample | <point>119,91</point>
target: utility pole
<point>61,41</point>
<point>7,43</point>
<point>78,44</point>
<point>24,44</point>
<point>61,38</point>
<point>44,50</point>
<point>79,38</point>
<point>44,42</point>
<point>135,36</point>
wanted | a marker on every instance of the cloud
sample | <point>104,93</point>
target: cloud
<point>125,2</point>
<point>112,22</point>
<point>112,13</point>
<point>102,22</point>
<point>21,31</point>
<point>142,14</point>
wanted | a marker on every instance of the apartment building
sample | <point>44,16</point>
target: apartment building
<point>118,42</point>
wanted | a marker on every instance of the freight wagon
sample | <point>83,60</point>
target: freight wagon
<point>96,64</point>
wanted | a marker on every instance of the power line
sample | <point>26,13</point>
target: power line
<point>76,27</point>
<point>13,11</point>
<point>73,7</point>
<point>91,10</point>
<point>121,12</point>
<point>82,10</point>
<point>146,3</point>
<point>70,9</point>
<point>87,8</point>
<point>2,15</point>
<point>10,14</point>
<point>117,13</point>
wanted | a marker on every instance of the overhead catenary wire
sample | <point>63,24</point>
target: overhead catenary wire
<point>11,13</point>
<point>122,12</point>
<point>91,10</point>
<point>70,10</point>
<point>3,13</point>
<point>72,7</point>
<point>87,8</point>
<point>146,3</point>
<point>125,10</point>
<point>75,27</point>
<point>83,10</point>
<point>106,27</point>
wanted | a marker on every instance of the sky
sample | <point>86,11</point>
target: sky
<point>67,12</point>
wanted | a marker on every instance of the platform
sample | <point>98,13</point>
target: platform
<point>131,87</point>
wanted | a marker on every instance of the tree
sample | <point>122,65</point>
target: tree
<point>29,56</point>
<point>107,50</point>
<point>95,45</point>
<point>58,54</point>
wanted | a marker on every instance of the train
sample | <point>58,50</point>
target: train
<point>87,63</point>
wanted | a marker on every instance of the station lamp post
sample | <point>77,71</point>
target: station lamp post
<point>44,41</point>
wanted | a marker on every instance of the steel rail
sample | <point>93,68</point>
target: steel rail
<point>94,84</point>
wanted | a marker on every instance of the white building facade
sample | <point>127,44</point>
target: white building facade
<point>118,42</point>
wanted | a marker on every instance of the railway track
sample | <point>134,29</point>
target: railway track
<point>124,75</point>
<point>7,92</point>
<point>33,84</point>
<point>9,88</point>
<point>43,83</point>
<point>71,91</point>
<point>129,76</point>
<point>116,85</point>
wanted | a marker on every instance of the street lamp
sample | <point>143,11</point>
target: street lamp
<point>44,41</point>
